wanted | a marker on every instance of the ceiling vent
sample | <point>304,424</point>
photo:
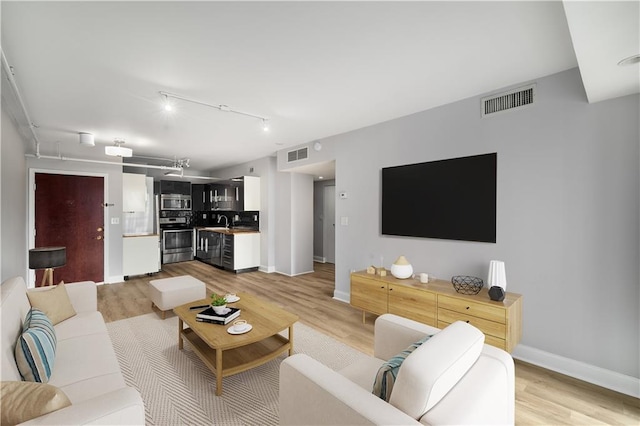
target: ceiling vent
<point>298,154</point>
<point>516,98</point>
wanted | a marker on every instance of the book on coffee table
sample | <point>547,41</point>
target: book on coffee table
<point>209,315</point>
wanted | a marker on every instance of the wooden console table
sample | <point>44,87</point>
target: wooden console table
<point>438,304</point>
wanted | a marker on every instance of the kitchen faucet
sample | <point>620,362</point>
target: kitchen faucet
<point>226,220</point>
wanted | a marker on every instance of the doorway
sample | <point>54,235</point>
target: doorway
<point>68,211</point>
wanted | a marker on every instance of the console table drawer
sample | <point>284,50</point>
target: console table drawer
<point>488,339</point>
<point>491,328</point>
<point>468,307</point>
<point>418,305</point>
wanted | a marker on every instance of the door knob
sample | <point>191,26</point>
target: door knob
<point>99,237</point>
<point>99,229</point>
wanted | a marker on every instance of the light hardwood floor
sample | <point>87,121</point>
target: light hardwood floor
<point>542,396</point>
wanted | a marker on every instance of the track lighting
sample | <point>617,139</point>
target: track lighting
<point>220,107</point>
<point>117,150</point>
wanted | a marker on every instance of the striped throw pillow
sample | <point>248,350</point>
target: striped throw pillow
<point>36,347</point>
<point>388,371</point>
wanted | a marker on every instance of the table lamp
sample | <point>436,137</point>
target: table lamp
<point>47,258</point>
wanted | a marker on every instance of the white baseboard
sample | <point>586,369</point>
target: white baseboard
<point>589,373</point>
<point>115,279</point>
<point>341,296</point>
<point>319,259</point>
<point>294,275</point>
<point>267,269</point>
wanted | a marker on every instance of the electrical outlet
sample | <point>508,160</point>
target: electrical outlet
<point>344,221</point>
<point>115,221</point>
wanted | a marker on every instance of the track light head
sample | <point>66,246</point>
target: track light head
<point>167,105</point>
<point>265,124</point>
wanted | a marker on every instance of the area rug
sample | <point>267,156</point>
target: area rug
<point>177,388</point>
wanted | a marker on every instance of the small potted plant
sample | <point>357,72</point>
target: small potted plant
<point>219,303</point>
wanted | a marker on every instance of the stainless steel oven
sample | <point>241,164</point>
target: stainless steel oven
<point>177,245</point>
<point>175,202</point>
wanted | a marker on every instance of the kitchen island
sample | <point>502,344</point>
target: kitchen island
<point>233,249</point>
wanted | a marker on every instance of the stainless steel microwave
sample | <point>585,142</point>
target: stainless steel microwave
<point>175,202</point>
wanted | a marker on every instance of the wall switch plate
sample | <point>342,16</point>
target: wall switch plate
<point>343,195</point>
<point>344,220</point>
<point>115,221</point>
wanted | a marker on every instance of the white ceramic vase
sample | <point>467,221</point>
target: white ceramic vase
<point>401,268</point>
<point>497,276</point>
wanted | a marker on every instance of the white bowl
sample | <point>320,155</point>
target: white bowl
<point>220,310</point>
<point>401,271</point>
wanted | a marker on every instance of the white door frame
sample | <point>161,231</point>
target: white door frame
<point>31,274</point>
<point>329,223</point>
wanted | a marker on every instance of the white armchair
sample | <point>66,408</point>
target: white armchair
<point>453,378</point>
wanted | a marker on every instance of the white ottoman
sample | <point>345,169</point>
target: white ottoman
<point>167,293</point>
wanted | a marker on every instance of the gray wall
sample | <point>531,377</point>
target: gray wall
<point>294,223</point>
<point>567,213</point>
<point>318,213</point>
<point>13,200</point>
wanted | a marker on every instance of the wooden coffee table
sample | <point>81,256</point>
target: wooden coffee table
<point>226,354</point>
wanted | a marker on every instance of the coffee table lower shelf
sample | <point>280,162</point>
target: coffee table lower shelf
<point>236,360</point>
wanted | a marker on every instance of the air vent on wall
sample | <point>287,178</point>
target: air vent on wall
<point>297,154</point>
<point>516,98</point>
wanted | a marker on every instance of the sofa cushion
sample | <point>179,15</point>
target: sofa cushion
<point>89,367</point>
<point>82,324</point>
<point>36,347</point>
<point>55,303</point>
<point>22,401</point>
<point>363,372</point>
<point>387,373</point>
<point>435,367</point>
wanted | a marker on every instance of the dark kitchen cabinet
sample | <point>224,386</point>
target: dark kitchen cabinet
<point>200,198</point>
<point>175,187</point>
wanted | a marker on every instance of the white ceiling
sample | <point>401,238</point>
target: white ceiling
<point>315,69</point>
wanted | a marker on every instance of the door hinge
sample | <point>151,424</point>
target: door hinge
<point>34,232</point>
<point>34,186</point>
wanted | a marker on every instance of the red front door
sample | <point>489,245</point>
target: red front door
<point>69,212</point>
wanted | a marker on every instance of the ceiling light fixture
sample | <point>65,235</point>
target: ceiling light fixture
<point>220,107</point>
<point>117,150</point>
<point>630,60</point>
<point>87,139</point>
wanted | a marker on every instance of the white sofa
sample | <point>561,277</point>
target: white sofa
<point>86,368</point>
<point>452,378</point>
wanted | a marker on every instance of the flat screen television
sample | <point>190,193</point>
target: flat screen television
<point>453,199</point>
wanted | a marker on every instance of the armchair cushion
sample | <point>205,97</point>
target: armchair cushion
<point>55,303</point>
<point>22,401</point>
<point>35,351</point>
<point>435,367</point>
<point>387,373</point>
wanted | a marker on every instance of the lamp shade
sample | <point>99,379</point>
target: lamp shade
<point>497,276</point>
<point>47,257</point>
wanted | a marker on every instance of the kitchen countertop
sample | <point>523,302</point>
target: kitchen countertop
<point>228,231</point>
<point>140,235</point>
